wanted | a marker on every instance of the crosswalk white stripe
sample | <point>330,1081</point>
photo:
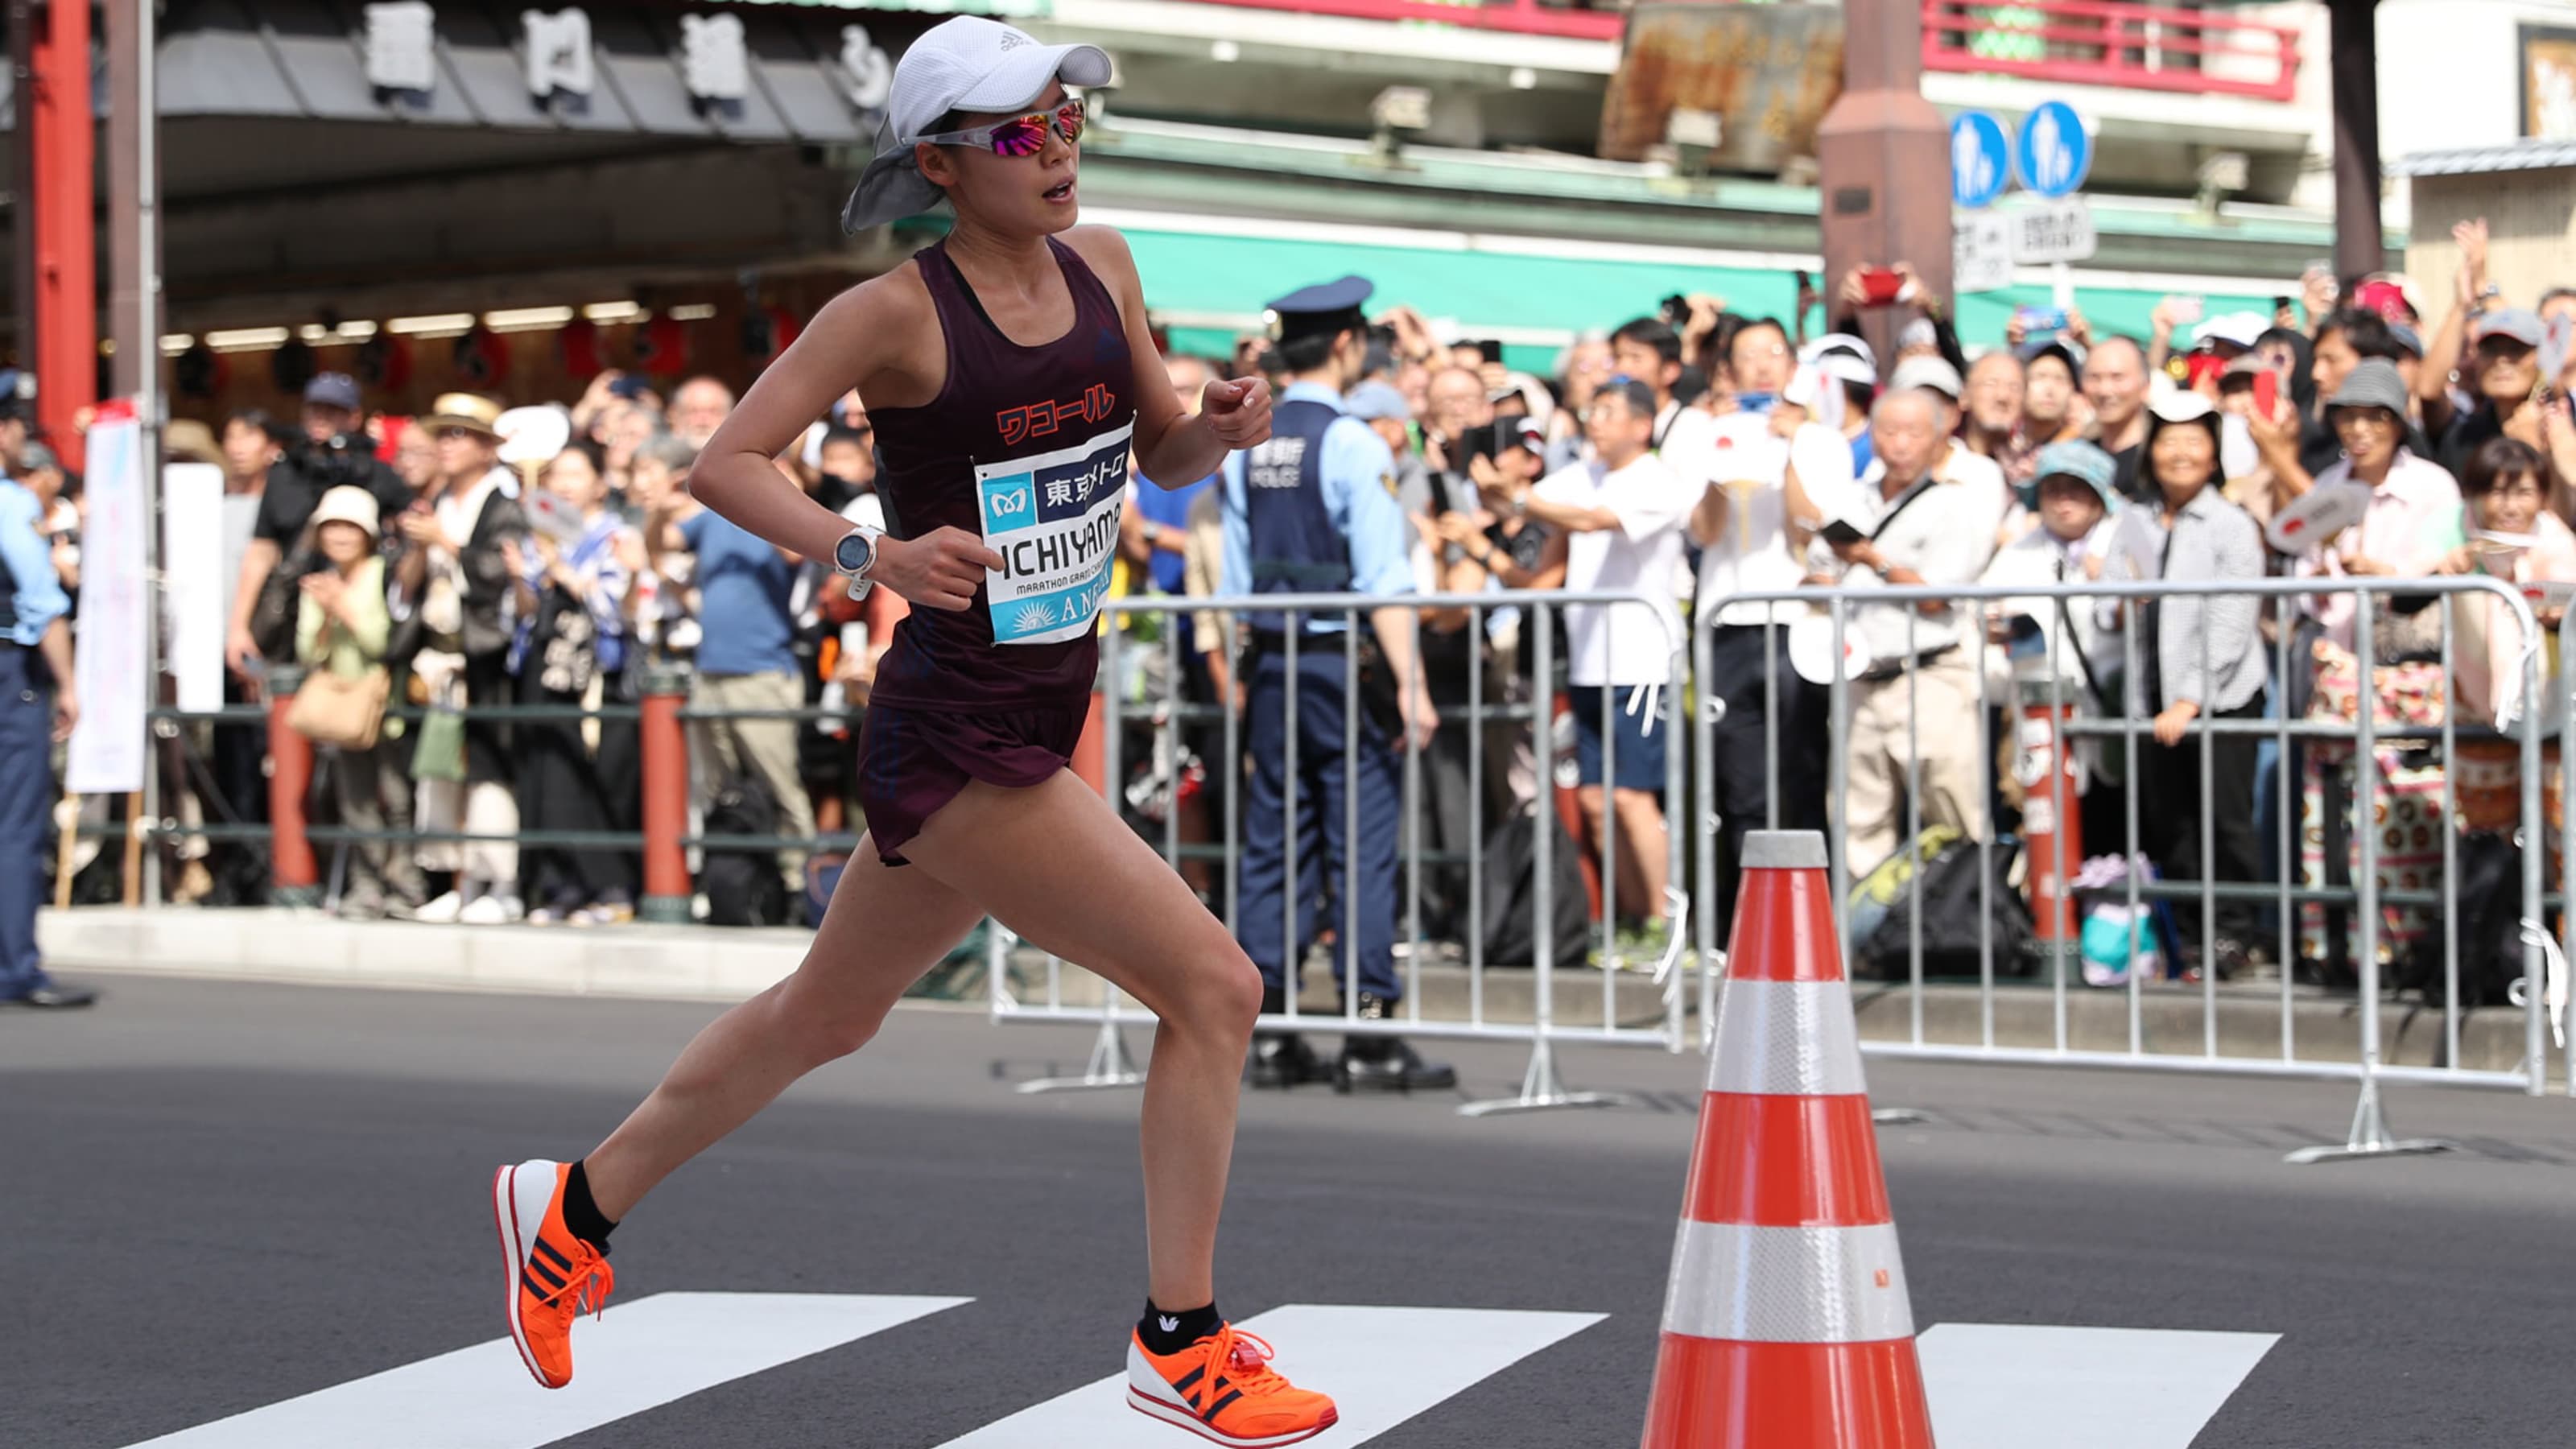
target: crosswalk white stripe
<point>1381,1365</point>
<point>640,1355</point>
<point>2012,1386</point>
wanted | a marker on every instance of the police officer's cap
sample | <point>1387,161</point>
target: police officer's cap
<point>1326,308</point>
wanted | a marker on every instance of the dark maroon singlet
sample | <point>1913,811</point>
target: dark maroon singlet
<point>1027,448</point>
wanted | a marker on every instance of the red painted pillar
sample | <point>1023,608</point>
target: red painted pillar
<point>665,744</point>
<point>2046,768</point>
<point>65,311</point>
<point>1091,752</point>
<point>297,878</point>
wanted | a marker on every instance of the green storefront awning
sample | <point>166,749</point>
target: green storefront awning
<point>1535,294</point>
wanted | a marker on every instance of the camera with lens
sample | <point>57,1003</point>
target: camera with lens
<point>333,461</point>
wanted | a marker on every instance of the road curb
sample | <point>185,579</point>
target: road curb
<point>700,963</point>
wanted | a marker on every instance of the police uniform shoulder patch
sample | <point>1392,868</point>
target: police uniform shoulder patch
<point>1389,480</point>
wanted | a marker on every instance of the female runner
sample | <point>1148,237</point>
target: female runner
<point>1008,371</point>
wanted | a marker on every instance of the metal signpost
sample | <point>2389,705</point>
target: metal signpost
<point>1980,169</point>
<point>2052,157</point>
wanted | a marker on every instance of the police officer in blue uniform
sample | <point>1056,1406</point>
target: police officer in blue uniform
<point>36,710</point>
<point>1313,511</point>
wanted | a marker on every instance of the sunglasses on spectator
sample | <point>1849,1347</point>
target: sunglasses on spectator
<point>1020,135</point>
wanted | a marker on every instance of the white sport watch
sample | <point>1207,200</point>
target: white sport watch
<point>856,556</point>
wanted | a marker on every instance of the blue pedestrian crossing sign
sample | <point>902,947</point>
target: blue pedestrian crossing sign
<point>2055,153</point>
<point>1980,160</point>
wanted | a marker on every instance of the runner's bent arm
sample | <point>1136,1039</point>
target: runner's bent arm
<point>1172,450</point>
<point>860,336</point>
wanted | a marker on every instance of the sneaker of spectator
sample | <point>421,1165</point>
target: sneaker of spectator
<point>491,909</point>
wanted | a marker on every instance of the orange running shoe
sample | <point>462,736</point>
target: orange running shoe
<point>549,1275</point>
<point>1223,1388</point>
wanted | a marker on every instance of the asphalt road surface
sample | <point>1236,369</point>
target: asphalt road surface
<point>216,1198</point>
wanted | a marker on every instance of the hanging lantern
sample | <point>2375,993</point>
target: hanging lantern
<point>384,362</point>
<point>200,372</point>
<point>481,358</point>
<point>662,347</point>
<point>291,366</point>
<point>766,333</point>
<point>579,343</point>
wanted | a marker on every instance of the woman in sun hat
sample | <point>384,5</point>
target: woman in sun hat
<point>1009,373</point>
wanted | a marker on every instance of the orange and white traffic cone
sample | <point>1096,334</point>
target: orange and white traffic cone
<point>1786,1325</point>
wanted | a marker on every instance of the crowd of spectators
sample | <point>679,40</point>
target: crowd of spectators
<point>550,555</point>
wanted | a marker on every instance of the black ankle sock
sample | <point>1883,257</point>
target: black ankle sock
<point>1166,1332</point>
<point>582,1215</point>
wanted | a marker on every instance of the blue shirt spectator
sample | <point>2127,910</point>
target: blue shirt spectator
<point>743,590</point>
<point>37,591</point>
<point>1169,508</point>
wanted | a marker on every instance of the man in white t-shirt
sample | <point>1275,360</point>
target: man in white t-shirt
<point>1619,519</point>
<point>1914,714</point>
<point>1771,720</point>
<point>1959,465</point>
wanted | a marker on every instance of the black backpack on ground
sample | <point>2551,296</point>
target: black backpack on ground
<point>742,885</point>
<point>1511,894</point>
<point>2490,924</point>
<point>1951,939</point>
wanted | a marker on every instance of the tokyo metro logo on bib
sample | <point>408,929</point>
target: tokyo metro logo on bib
<point>1054,520</point>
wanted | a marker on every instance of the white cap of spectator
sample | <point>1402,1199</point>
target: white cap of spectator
<point>2517,323</point>
<point>1844,342</point>
<point>1828,405</point>
<point>1535,400</point>
<point>2232,329</point>
<point>348,503</point>
<point>1928,374</point>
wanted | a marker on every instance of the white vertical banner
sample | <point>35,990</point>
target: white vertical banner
<point>192,581</point>
<point>107,750</point>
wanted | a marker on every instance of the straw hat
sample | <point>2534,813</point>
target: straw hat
<point>465,410</point>
<point>186,440</point>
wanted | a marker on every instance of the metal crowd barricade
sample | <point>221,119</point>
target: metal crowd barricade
<point>2369,1135</point>
<point>1542,1086</point>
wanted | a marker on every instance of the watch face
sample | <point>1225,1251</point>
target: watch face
<point>852,553</point>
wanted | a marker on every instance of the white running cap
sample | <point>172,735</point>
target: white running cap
<point>964,63</point>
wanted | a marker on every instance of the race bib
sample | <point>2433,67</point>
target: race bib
<point>1054,520</point>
